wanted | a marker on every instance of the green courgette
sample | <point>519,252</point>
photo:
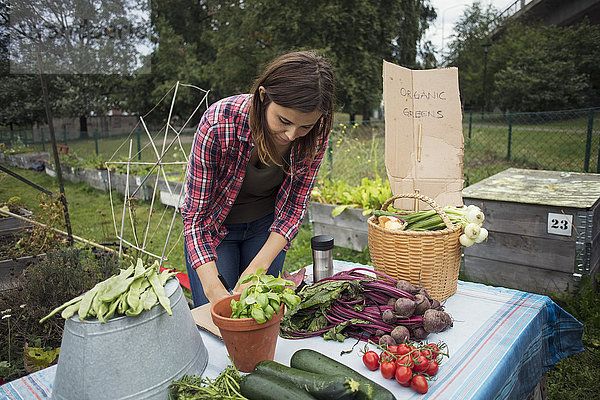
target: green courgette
<point>257,386</point>
<point>321,386</point>
<point>313,361</point>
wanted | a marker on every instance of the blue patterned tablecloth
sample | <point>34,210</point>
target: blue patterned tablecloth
<point>501,343</point>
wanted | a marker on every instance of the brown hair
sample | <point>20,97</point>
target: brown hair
<point>302,81</point>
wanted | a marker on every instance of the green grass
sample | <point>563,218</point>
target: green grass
<point>91,215</point>
<point>117,148</point>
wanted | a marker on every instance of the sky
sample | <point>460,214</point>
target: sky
<point>448,13</point>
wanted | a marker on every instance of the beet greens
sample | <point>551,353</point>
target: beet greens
<point>354,304</point>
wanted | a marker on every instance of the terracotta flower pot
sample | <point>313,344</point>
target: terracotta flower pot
<point>247,341</point>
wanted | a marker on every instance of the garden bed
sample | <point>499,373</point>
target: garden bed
<point>349,229</point>
<point>30,160</point>
<point>99,179</point>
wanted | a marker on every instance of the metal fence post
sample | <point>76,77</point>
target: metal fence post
<point>588,141</point>
<point>470,122</point>
<point>43,139</point>
<point>96,140</point>
<point>510,116</point>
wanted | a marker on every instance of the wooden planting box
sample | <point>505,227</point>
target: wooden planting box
<point>349,229</point>
<point>543,230</point>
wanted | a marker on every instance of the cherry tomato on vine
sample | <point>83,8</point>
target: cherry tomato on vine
<point>427,354</point>
<point>388,369</point>
<point>387,356</point>
<point>435,350</point>
<point>434,347</point>
<point>402,349</point>
<point>405,360</point>
<point>393,349</point>
<point>403,374</point>
<point>421,364</point>
<point>433,368</point>
<point>371,360</point>
<point>419,384</point>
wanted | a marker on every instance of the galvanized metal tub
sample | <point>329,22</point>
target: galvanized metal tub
<point>130,357</point>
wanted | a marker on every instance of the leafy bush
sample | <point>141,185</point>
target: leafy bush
<point>60,276</point>
<point>37,239</point>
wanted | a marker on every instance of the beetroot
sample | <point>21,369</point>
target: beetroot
<point>436,305</point>
<point>419,333</point>
<point>406,286</point>
<point>422,304</point>
<point>389,317</point>
<point>436,321</point>
<point>404,307</point>
<point>400,334</point>
<point>386,340</point>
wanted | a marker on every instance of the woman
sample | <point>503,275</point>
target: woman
<point>253,165</point>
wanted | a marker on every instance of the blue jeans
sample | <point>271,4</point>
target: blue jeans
<point>234,253</point>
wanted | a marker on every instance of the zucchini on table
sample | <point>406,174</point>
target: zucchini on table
<point>321,386</point>
<point>257,386</point>
<point>313,361</point>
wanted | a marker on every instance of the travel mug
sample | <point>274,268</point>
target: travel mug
<point>322,252</point>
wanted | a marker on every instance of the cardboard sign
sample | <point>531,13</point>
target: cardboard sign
<point>423,134</point>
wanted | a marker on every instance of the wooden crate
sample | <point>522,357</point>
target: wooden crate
<point>530,246</point>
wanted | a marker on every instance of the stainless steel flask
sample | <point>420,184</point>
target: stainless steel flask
<point>322,252</point>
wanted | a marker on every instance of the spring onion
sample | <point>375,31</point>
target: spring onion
<point>470,218</point>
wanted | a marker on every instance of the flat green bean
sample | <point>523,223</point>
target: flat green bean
<point>65,305</point>
<point>160,292</point>
<point>148,299</point>
<point>86,301</point>
<point>69,311</point>
<point>112,308</point>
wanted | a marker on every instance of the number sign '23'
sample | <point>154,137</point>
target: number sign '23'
<point>560,224</point>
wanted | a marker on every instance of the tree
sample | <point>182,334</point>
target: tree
<point>467,52</point>
<point>83,46</point>
<point>172,60</point>
<point>530,66</point>
<point>544,68</point>
<point>356,35</point>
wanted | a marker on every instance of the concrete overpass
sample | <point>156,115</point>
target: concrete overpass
<point>554,12</point>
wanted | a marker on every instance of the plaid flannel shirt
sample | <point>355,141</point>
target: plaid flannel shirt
<point>217,165</point>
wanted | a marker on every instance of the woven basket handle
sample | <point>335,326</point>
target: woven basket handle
<point>425,199</point>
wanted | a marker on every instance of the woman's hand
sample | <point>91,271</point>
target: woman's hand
<point>263,259</point>
<point>211,284</point>
<point>240,288</point>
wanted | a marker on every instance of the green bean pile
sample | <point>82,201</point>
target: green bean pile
<point>128,293</point>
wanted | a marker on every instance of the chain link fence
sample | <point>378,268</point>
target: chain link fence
<point>566,140</point>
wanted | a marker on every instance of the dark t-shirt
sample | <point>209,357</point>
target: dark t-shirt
<point>257,194</point>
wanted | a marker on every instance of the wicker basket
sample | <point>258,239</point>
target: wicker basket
<point>427,258</point>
